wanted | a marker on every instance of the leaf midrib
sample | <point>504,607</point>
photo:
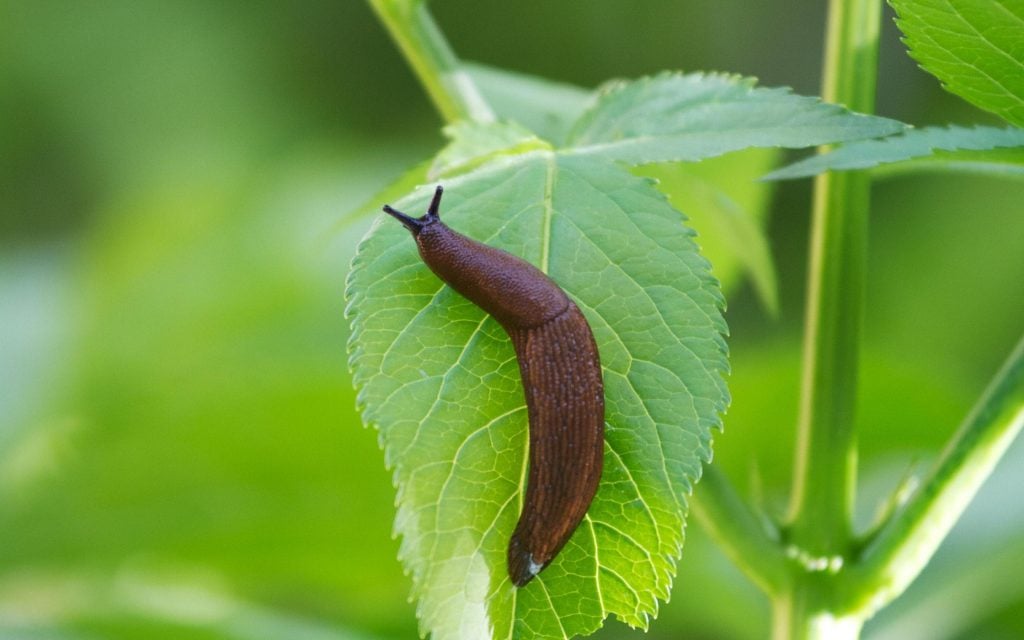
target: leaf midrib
<point>549,182</point>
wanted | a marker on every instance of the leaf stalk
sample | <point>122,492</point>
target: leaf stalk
<point>425,48</point>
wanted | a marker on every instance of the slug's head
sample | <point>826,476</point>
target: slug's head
<point>416,225</point>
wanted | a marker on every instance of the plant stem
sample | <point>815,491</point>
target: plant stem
<point>826,456</point>
<point>741,532</point>
<point>905,545</point>
<point>801,615</point>
<point>797,617</point>
<point>425,48</point>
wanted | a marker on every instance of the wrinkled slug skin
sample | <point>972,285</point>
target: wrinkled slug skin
<point>561,374</point>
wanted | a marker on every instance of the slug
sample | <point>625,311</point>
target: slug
<point>561,375</point>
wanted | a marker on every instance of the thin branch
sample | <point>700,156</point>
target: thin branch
<point>903,547</point>
<point>740,532</point>
<point>427,52</point>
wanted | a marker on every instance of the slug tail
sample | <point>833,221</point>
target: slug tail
<point>561,375</point>
<point>521,565</point>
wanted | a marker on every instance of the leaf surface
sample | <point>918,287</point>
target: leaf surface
<point>473,144</point>
<point>439,379</point>
<point>673,117</point>
<point>975,47</point>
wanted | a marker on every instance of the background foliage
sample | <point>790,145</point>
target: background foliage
<point>179,449</point>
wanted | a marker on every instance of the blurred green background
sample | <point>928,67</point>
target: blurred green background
<point>180,456</point>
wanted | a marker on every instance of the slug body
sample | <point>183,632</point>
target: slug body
<point>561,373</point>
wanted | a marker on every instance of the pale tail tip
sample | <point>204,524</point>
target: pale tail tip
<point>521,565</point>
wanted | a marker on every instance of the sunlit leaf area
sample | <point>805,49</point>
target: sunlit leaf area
<point>184,187</point>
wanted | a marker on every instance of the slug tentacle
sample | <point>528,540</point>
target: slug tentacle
<point>415,225</point>
<point>561,374</point>
<point>435,203</point>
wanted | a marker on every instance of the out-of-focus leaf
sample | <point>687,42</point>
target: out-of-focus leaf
<point>546,107</point>
<point>35,294</point>
<point>439,380</point>
<point>975,47</point>
<point>986,149</point>
<point>208,420</point>
<point>691,117</point>
<point>146,604</point>
<point>726,204</point>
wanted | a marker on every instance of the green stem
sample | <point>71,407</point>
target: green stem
<point>826,456</point>
<point>905,545</point>
<point>820,531</point>
<point>803,614</point>
<point>743,534</point>
<point>425,48</point>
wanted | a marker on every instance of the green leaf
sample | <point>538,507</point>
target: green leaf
<point>159,343</point>
<point>153,604</point>
<point>438,379</point>
<point>975,47</point>
<point>983,148</point>
<point>691,117</point>
<point>543,106</point>
<point>474,143</point>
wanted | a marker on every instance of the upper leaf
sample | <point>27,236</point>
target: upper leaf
<point>546,107</point>
<point>975,47</point>
<point>966,148</point>
<point>696,116</point>
<point>438,378</point>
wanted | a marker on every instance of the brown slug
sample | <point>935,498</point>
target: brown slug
<point>561,375</point>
